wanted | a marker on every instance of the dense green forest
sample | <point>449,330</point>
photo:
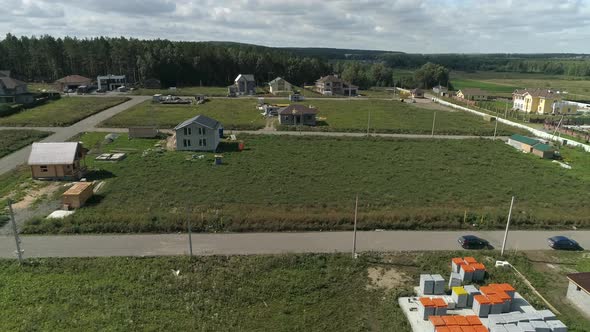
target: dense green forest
<point>47,58</point>
<point>175,63</point>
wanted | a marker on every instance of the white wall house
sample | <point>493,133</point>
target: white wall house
<point>200,133</point>
<point>111,82</point>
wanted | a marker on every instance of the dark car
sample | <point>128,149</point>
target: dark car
<point>473,242</point>
<point>563,243</point>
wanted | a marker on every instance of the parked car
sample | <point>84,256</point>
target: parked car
<point>563,243</point>
<point>473,242</point>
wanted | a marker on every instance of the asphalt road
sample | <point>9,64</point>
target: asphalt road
<point>267,243</point>
<point>62,134</point>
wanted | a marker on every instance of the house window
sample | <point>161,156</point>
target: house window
<point>578,288</point>
<point>203,131</point>
<point>204,142</point>
<point>187,131</point>
<point>186,142</point>
<point>201,142</point>
<point>44,168</point>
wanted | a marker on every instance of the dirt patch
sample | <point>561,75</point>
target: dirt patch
<point>35,194</point>
<point>171,142</point>
<point>383,278</point>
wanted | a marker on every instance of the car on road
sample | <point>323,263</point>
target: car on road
<point>473,242</point>
<point>563,243</point>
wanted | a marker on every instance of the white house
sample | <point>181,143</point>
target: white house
<point>279,84</point>
<point>111,82</point>
<point>200,133</point>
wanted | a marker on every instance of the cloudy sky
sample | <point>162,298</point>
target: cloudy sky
<point>416,26</point>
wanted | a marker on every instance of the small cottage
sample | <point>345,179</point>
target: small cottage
<point>200,133</point>
<point>57,161</point>
<point>578,291</point>
<point>544,151</point>
<point>298,115</point>
<point>522,143</point>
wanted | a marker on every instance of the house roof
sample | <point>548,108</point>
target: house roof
<point>537,92</point>
<point>248,77</point>
<point>543,147</point>
<point>298,109</point>
<point>53,153</point>
<point>440,87</point>
<point>474,92</point>
<point>277,79</point>
<point>10,83</point>
<point>329,78</point>
<point>524,139</point>
<point>73,79</point>
<point>202,120</point>
<point>5,73</point>
<point>581,279</point>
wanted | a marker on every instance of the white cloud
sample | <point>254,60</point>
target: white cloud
<point>417,26</point>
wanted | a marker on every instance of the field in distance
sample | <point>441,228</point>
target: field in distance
<point>243,293</point>
<point>61,113</point>
<point>309,183</point>
<point>386,116</point>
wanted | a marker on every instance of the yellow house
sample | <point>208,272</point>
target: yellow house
<point>538,101</point>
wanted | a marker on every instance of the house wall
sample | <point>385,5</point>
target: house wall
<point>543,154</point>
<point>531,104</point>
<point>579,298</point>
<point>305,120</point>
<point>211,137</point>
<point>52,171</point>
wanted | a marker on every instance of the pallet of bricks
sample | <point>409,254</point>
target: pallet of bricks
<point>457,324</point>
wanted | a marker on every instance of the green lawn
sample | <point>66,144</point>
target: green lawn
<point>13,140</point>
<point>459,84</point>
<point>238,293</point>
<point>335,115</point>
<point>211,91</point>
<point>60,113</point>
<point>239,113</point>
<point>388,116</point>
<point>309,183</point>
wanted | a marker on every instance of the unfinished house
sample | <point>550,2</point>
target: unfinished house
<point>245,84</point>
<point>13,90</point>
<point>298,115</point>
<point>111,82</point>
<point>57,161</point>
<point>279,85</point>
<point>333,85</point>
<point>200,133</point>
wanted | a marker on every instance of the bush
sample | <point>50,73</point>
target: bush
<point>9,109</point>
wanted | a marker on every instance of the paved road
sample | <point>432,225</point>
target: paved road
<point>267,243</point>
<point>62,134</point>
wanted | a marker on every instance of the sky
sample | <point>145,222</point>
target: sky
<point>413,26</point>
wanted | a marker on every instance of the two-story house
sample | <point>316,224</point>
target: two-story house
<point>279,84</point>
<point>13,90</point>
<point>111,82</point>
<point>539,101</point>
<point>245,84</point>
<point>333,85</point>
<point>200,133</point>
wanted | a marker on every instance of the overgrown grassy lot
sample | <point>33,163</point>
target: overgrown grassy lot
<point>577,87</point>
<point>13,140</point>
<point>238,293</point>
<point>240,113</point>
<point>335,115</point>
<point>309,183</point>
<point>62,112</point>
<point>388,116</point>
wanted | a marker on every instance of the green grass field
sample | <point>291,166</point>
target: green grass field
<point>502,89</point>
<point>335,115</point>
<point>60,113</point>
<point>211,91</point>
<point>238,113</point>
<point>13,140</point>
<point>239,293</point>
<point>309,183</point>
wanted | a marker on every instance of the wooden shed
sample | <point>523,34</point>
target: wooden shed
<point>544,151</point>
<point>77,195</point>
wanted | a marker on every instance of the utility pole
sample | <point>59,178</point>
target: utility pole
<point>507,226</point>
<point>356,207</point>
<point>368,122</point>
<point>433,122</point>
<point>190,233</point>
<point>496,128</point>
<point>19,252</point>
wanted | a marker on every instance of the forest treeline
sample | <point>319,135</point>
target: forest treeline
<point>46,58</point>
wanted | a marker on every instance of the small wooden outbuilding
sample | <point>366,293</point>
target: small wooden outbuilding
<point>544,151</point>
<point>77,195</point>
<point>57,161</point>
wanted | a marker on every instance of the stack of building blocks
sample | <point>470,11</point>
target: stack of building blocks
<point>496,304</point>
<point>481,305</point>
<point>460,296</point>
<point>457,323</point>
<point>426,308</point>
<point>528,321</point>
<point>439,284</point>
<point>471,291</point>
<point>426,284</point>
<point>467,269</point>
<point>557,326</point>
<point>440,306</point>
